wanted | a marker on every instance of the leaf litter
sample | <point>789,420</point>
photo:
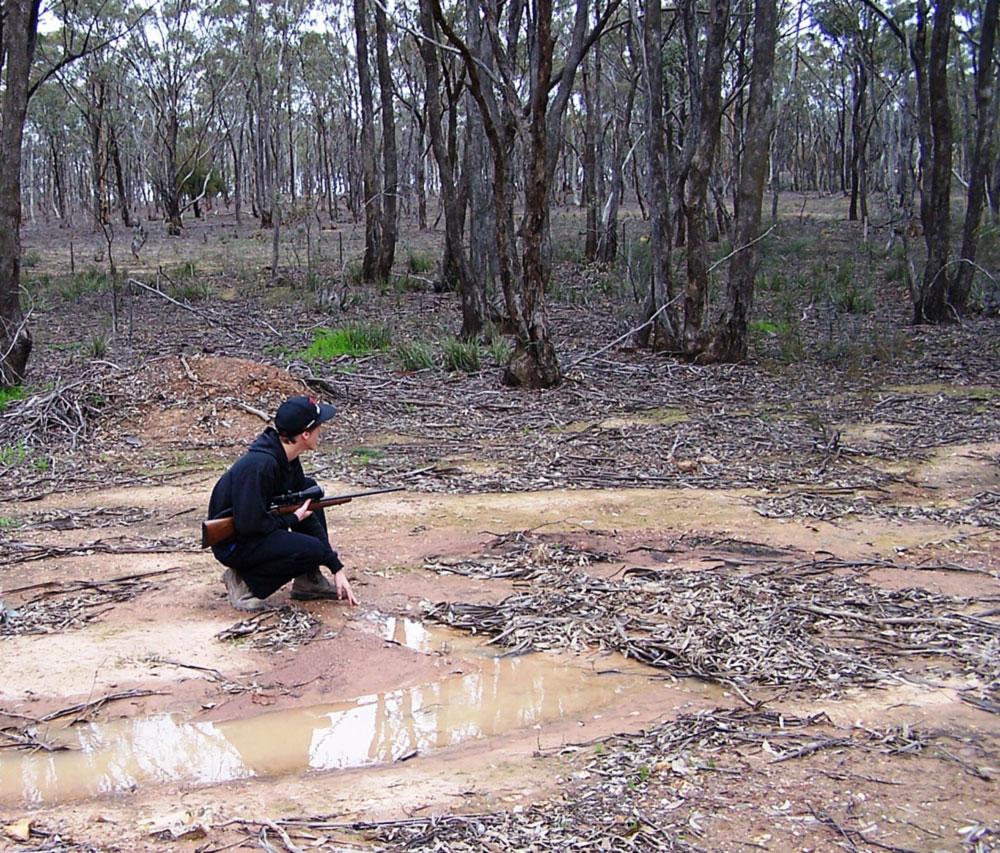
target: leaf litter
<point>769,624</point>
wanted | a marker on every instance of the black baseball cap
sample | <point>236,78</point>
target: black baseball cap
<point>297,414</point>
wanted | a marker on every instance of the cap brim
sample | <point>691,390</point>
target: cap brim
<point>325,413</point>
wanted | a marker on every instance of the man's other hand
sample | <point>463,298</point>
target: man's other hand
<point>344,590</point>
<point>303,512</point>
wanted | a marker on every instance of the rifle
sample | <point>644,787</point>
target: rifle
<point>217,530</point>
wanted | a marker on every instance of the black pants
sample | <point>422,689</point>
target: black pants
<point>267,563</point>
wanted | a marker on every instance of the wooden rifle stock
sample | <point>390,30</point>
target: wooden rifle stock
<point>217,530</point>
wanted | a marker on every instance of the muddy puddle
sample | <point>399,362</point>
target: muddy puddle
<point>481,695</point>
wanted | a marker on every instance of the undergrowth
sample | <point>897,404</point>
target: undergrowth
<point>354,339</point>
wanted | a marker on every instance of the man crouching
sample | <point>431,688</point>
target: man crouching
<point>269,549</point>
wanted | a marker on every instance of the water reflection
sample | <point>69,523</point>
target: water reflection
<point>493,696</point>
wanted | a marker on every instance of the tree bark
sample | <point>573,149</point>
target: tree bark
<point>696,294</point>
<point>17,49</point>
<point>660,295</point>
<point>983,153</point>
<point>369,181</point>
<point>730,342</point>
<point>936,203</point>
<point>484,263</point>
<point>858,120</point>
<point>534,362</point>
<point>588,159</point>
<point>390,166</point>
<point>472,307</point>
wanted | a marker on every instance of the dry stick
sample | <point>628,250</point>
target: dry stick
<point>68,586</point>
<point>218,676</point>
<point>19,739</point>
<point>628,334</point>
<point>264,416</point>
<point>194,311</point>
<point>42,552</point>
<point>97,703</point>
<point>283,835</point>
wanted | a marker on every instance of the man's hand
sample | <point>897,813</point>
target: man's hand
<point>303,512</point>
<point>343,586</point>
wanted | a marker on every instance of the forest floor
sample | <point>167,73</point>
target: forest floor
<point>660,607</point>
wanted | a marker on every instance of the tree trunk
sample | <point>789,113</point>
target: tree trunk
<point>607,245</point>
<point>983,153</point>
<point>472,307</point>
<point>858,120</point>
<point>588,159</point>
<point>124,199</point>
<point>17,49</point>
<point>936,201</point>
<point>484,263</point>
<point>534,363</point>
<point>371,201</point>
<point>390,167</point>
<point>96,118</point>
<point>421,178</point>
<point>730,343</point>
<point>697,292</point>
<point>660,295</point>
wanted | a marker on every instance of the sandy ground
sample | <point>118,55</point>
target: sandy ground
<point>164,639</point>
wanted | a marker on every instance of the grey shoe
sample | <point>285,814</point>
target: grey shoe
<point>239,593</point>
<point>311,586</point>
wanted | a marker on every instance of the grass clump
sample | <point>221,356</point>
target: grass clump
<point>189,289</point>
<point>366,455</point>
<point>460,355</point>
<point>13,455</point>
<point>355,339</point>
<point>415,355</point>
<point>849,293</point>
<point>420,263</point>
<point>9,395</point>
<point>92,280</point>
<point>98,347</point>
<point>499,349</point>
<point>184,271</point>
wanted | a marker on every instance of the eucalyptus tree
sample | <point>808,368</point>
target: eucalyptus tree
<point>101,89</point>
<point>472,297</point>
<point>20,79</point>
<point>372,196</point>
<point>390,165</point>
<point>522,100</point>
<point>410,94</point>
<point>625,77</point>
<point>317,61</point>
<point>925,36</point>
<point>57,128</point>
<point>168,56</point>
<point>681,319</point>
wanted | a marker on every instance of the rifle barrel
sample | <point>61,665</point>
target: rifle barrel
<point>219,530</point>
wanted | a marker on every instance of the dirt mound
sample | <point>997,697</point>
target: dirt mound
<point>211,400</point>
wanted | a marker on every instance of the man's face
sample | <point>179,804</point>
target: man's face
<point>311,437</point>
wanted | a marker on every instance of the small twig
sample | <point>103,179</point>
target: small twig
<point>97,703</point>
<point>194,311</point>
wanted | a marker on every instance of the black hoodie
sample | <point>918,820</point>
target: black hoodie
<point>247,490</point>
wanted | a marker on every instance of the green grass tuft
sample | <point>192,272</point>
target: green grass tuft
<point>415,355</point>
<point>460,355</point>
<point>355,339</point>
<point>8,395</point>
<point>420,263</point>
<point>13,454</point>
